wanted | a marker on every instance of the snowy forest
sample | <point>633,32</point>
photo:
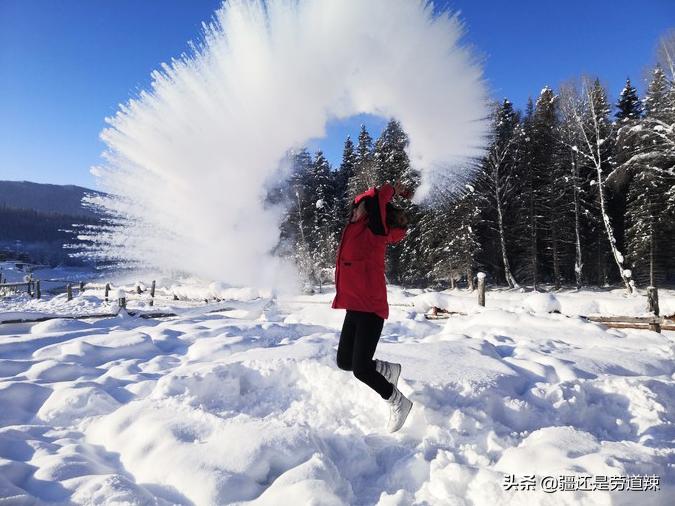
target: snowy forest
<point>573,191</point>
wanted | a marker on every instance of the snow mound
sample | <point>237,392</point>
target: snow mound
<point>231,462</point>
<point>68,405</point>
<point>542,303</point>
<point>58,325</point>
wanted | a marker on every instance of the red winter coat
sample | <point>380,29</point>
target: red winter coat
<point>359,273</point>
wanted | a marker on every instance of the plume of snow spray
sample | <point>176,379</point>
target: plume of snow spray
<point>187,162</point>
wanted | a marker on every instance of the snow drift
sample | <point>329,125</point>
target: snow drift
<point>188,160</point>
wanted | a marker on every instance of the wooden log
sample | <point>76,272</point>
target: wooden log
<point>152,293</point>
<point>625,319</point>
<point>107,291</point>
<point>637,326</point>
<point>69,291</point>
<point>60,317</point>
<point>38,293</point>
<point>122,301</point>
<point>14,285</point>
<point>481,289</point>
<point>154,315</point>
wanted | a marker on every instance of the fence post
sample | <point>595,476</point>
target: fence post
<point>152,293</point>
<point>653,299</point>
<point>38,294</point>
<point>69,291</point>
<point>653,303</point>
<point>107,291</point>
<point>481,288</point>
<point>81,286</point>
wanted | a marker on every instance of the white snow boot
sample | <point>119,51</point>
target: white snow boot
<point>399,407</point>
<point>390,370</point>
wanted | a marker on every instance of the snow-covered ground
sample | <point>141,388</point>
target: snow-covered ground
<point>246,404</point>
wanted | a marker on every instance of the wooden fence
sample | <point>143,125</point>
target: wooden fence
<point>655,322</point>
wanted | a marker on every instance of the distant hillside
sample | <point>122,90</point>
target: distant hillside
<point>46,198</point>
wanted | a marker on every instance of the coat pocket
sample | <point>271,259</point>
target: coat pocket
<point>353,278</point>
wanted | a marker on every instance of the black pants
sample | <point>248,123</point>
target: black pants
<point>358,340</point>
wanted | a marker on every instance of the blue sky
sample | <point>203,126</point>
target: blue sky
<point>66,64</point>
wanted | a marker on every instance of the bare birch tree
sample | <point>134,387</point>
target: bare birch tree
<point>568,135</point>
<point>589,114</point>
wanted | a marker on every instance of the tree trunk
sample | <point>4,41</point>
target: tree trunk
<point>578,262</point>
<point>556,259</point>
<point>510,280</point>
<point>651,251</point>
<point>618,257</point>
<point>533,236</point>
<point>534,254</point>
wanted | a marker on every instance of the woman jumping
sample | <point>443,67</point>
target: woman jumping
<point>361,289</point>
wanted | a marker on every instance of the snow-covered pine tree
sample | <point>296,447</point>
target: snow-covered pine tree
<point>448,240</point>
<point>666,131</point>
<point>628,107</point>
<point>342,177</point>
<point>393,165</point>
<point>649,211</point>
<point>392,162</point>
<point>628,135</point>
<point>534,176</point>
<point>365,170</point>
<point>295,229</point>
<point>406,262</point>
<point>323,240</point>
<point>497,183</point>
<point>526,250</point>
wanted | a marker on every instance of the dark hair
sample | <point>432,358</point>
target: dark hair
<point>395,215</point>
